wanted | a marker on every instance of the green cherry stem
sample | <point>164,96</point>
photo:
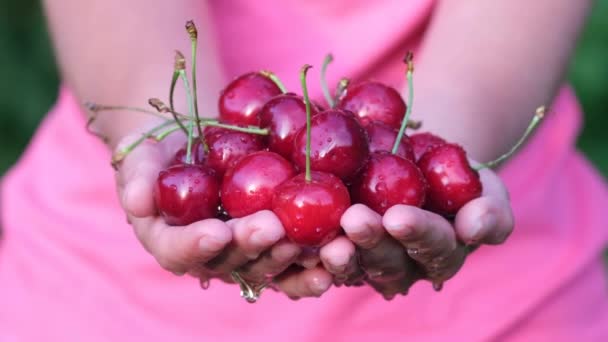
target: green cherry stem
<point>409,59</point>
<point>180,64</point>
<point>248,129</point>
<point>193,33</point>
<point>274,78</point>
<point>122,153</point>
<point>305,68</point>
<point>330,100</point>
<point>538,116</point>
<point>162,135</point>
<point>182,74</point>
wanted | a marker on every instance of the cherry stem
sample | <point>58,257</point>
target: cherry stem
<point>120,155</point>
<point>305,68</point>
<point>341,88</point>
<point>538,116</point>
<point>274,78</point>
<point>193,33</point>
<point>171,92</point>
<point>409,59</point>
<point>100,108</point>
<point>162,135</point>
<point>330,100</point>
<point>249,129</point>
<point>182,74</point>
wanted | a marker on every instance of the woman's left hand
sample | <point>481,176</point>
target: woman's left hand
<point>408,244</point>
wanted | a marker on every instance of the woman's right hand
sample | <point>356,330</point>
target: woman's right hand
<point>254,245</point>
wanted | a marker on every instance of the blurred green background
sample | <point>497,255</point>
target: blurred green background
<point>29,79</point>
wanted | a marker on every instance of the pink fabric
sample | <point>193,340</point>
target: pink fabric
<point>72,270</point>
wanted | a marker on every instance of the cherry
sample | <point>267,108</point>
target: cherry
<point>198,155</point>
<point>374,101</point>
<point>338,144</point>
<point>187,193</point>
<point>227,146</point>
<point>310,210</point>
<point>243,98</point>
<point>422,142</point>
<point>249,186</point>
<point>452,181</point>
<point>387,180</point>
<point>283,116</point>
<point>382,138</point>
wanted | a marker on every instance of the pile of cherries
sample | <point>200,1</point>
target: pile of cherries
<point>310,163</point>
<point>276,150</point>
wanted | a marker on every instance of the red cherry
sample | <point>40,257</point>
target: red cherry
<point>249,186</point>
<point>374,101</point>
<point>283,115</point>
<point>388,180</point>
<point>382,137</point>
<point>310,211</point>
<point>198,154</point>
<point>187,193</point>
<point>452,181</point>
<point>227,146</point>
<point>338,145</point>
<point>422,142</point>
<point>243,98</point>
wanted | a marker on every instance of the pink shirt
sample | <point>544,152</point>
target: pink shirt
<point>72,270</point>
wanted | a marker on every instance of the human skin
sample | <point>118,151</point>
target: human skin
<point>484,65</point>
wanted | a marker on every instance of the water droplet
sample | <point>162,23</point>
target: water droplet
<point>174,187</point>
<point>381,187</point>
<point>197,181</point>
<point>230,95</point>
<point>296,229</point>
<point>190,189</point>
<point>318,230</point>
<point>413,251</point>
<point>205,284</point>
<point>329,139</point>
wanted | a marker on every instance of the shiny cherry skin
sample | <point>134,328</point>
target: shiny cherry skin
<point>187,193</point>
<point>338,145</point>
<point>283,116</point>
<point>452,181</point>
<point>227,146</point>
<point>422,142</point>
<point>243,98</point>
<point>197,155</point>
<point>374,101</point>
<point>382,137</point>
<point>249,186</point>
<point>388,180</point>
<point>310,211</point>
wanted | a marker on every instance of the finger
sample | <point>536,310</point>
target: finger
<point>271,262</point>
<point>363,226</point>
<point>252,235</point>
<point>384,260</point>
<point>488,219</point>
<point>303,282</point>
<point>177,249</point>
<point>139,170</point>
<point>338,258</point>
<point>309,258</point>
<point>389,269</point>
<point>428,238</point>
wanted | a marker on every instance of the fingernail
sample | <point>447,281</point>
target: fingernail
<point>339,262</point>
<point>319,286</point>
<point>482,225</point>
